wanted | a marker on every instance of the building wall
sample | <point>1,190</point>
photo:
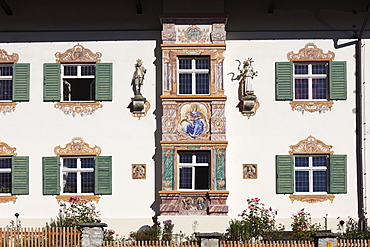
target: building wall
<point>36,127</point>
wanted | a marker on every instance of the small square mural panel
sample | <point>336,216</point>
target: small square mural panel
<point>138,171</point>
<point>249,171</point>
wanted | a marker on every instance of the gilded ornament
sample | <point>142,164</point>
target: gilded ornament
<point>6,107</point>
<point>310,53</point>
<point>312,198</point>
<point>311,106</point>
<point>6,150</point>
<point>4,199</point>
<point>311,145</point>
<point>80,108</point>
<point>78,54</point>
<point>6,58</point>
<point>87,198</point>
<point>77,147</point>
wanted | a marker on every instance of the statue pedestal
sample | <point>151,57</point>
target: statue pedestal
<point>138,104</point>
<point>248,104</point>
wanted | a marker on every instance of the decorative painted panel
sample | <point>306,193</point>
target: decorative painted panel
<point>218,121</point>
<point>219,159</point>
<point>193,121</point>
<point>168,169</point>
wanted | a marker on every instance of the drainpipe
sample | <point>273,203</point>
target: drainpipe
<point>359,123</point>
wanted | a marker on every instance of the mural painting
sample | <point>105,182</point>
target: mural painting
<point>193,123</point>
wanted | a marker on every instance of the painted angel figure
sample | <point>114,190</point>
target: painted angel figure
<point>245,78</point>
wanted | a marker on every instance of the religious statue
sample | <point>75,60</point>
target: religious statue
<point>138,78</point>
<point>245,77</point>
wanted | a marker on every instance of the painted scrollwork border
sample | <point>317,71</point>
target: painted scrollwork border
<point>6,150</point>
<point>78,54</point>
<point>311,145</point>
<point>4,199</point>
<point>80,108</point>
<point>311,198</point>
<point>77,147</point>
<point>87,198</point>
<point>6,107</point>
<point>311,106</point>
<point>310,52</point>
<point>7,58</point>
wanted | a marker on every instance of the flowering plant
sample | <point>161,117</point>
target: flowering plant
<point>302,225</point>
<point>167,230</point>
<point>74,212</point>
<point>258,221</point>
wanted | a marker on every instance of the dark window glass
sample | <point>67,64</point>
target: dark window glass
<point>202,84</point>
<point>70,70</point>
<point>6,89</point>
<point>6,70</point>
<point>319,181</point>
<point>185,84</point>
<point>318,69</point>
<point>184,63</point>
<point>301,88</point>
<point>301,181</point>
<point>201,63</point>
<point>301,161</point>
<point>87,182</point>
<point>70,163</point>
<point>300,69</point>
<point>185,177</point>
<point>201,177</point>
<point>70,182</point>
<point>87,70</point>
<point>5,177</point>
<point>319,88</point>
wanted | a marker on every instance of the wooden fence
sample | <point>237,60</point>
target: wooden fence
<point>149,244</point>
<point>40,237</point>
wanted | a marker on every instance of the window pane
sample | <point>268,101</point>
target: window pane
<point>6,89</point>
<point>319,88</point>
<point>87,162</point>
<point>202,157</point>
<point>301,69</point>
<point>5,163</point>
<point>319,161</point>
<point>6,70</point>
<point>202,84</point>
<point>87,182</point>
<point>301,181</point>
<point>70,70</point>
<point>87,70</point>
<point>185,177</point>
<point>319,69</point>
<point>301,88</point>
<point>69,182</point>
<point>185,157</point>
<point>5,182</point>
<point>185,81</point>
<point>184,63</point>
<point>201,177</point>
<point>301,161</point>
<point>70,163</point>
<point>319,181</point>
<point>201,64</point>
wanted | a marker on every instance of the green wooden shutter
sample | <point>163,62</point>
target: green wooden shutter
<point>338,80</point>
<point>103,82</point>
<point>284,80</point>
<point>20,175</point>
<point>284,174</point>
<point>21,82</point>
<point>338,174</point>
<point>52,81</point>
<point>51,175</point>
<point>103,175</point>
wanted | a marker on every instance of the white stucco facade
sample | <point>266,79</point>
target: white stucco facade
<point>36,127</point>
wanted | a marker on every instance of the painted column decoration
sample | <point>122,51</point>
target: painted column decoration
<point>168,165</point>
<point>219,157</point>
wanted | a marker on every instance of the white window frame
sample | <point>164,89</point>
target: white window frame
<point>78,76</point>
<point>192,165</point>
<point>311,169</point>
<point>10,78</point>
<point>310,76</point>
<point>77,170</point>
<point>6,170</point>
<point>193,71</point>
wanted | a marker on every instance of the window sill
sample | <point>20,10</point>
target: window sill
<point>7,107</point>
<point>4,199</point>
<point>311,198</point>
<point>80,108</point>
<point>88,198</point>
<point>311,106</point>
